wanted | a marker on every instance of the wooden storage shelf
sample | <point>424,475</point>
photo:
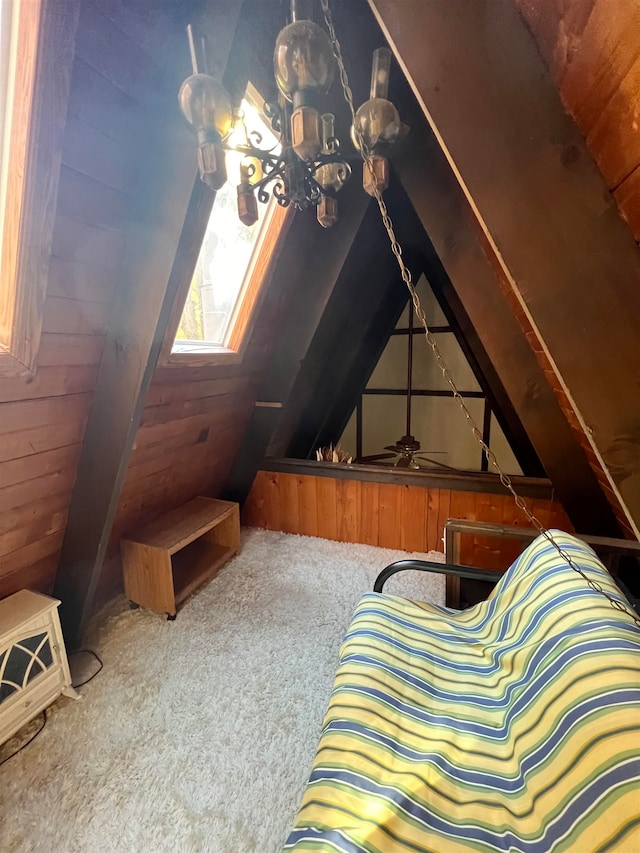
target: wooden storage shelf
<point>166,561</point>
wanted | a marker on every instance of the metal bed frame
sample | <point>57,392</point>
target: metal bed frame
<point>609,551</point>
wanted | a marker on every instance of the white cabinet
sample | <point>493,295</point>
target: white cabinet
<point>33,663</point>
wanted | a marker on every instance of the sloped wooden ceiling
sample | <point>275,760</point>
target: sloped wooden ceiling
<point>157,437</point>
<point>592,50</point>
<point>550,226</point>
<point>357,326</point>
<point>441,206</point>
<point>118,78</point>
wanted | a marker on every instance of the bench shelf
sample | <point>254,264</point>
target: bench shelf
<point>166,561</point>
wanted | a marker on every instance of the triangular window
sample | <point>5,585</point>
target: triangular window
<point>381,415</point>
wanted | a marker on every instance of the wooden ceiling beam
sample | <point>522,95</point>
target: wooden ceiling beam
<point>150,272</point>
<point>545,210</point>
<point>355,328</point>
<point>445,216</point>
<point>306,275</point>
<point>468,339</point>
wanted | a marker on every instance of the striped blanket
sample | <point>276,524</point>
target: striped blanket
<point>511,726</point>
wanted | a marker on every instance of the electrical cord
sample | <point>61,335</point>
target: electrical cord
<point>44,713</point>
<point>91,677</point>
<point>31,739</point>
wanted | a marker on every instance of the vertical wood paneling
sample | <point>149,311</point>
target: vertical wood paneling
<point>46,413</point>
<point>542,511</point>
<point>444,512</point>
<point>287,485</point>
<point>463,505</point>
<point>434,534</point>
<point>369,513</point>
<point>348,510</point>
<point>272,501</point>
<point>407,518</point>
<point>251,515</point>
<point>413,530</point>
<point>307,506</point>
<point>558,518</point>
<point>327,499</point>
<point>489,551</point>
<point>390,498</point>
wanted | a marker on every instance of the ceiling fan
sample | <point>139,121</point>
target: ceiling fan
<point>407,453</point>
<point>406,450</point>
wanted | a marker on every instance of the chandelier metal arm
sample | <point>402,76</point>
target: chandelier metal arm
<point>274,167</point>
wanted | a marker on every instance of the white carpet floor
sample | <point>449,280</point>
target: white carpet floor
<point>199,734</point>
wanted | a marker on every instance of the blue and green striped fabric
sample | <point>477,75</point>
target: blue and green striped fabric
<point>511,726</point>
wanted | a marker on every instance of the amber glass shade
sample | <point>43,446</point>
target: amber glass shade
<point>306,132</point>
<point>205,104</point>
<point>303,59</point>
<point>327,211</point>
<point>211,164</point>
<point>375,174</point>
<point>247,205</point>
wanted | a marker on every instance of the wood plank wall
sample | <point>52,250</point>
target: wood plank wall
<point>592,48</point>
<point>409,518</point>
<point>116,74</point>
<point>192,427</point>
<point>564,402</point>
<point>194,418</point>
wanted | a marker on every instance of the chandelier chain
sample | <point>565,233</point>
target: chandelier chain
<point>396,248</point>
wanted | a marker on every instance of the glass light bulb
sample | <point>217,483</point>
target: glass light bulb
<point>380,73</point>
<point>303,59</point>
<point>211,163</point>
<point>205,104</point>
<point>328,133</point>
<point>239,163</point>
<point>332,175</point>
<point>379,123</point>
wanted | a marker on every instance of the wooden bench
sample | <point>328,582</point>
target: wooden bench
<point>167,560</point>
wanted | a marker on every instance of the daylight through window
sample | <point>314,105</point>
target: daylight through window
<point>228,252</point>
<point>7,66</point>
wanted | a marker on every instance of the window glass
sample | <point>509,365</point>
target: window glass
<point>226,257</point>
<point>7,67</point>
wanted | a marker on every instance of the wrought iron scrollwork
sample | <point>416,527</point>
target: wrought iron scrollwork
<point>284,175</point>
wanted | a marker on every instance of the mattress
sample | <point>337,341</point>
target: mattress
<point>511,726</point>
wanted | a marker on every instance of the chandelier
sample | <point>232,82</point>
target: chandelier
<point>306,168</point>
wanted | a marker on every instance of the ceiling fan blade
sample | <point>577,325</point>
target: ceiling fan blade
<point>375,456</point>
<point>392,447</point>
<point>438,464</point>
